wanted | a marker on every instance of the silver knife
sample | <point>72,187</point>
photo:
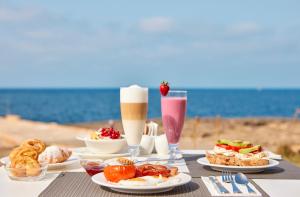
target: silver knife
<point>218,186</point>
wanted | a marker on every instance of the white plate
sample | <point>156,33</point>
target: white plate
<point>70,161</point>
<point>243,169</point>
<point>83,152</point>
<point>101,180</point>
<point>142,160</point>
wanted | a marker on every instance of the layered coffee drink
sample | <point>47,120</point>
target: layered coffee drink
<point>134,108</point>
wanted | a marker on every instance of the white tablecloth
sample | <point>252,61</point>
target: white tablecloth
<point>9,188</point>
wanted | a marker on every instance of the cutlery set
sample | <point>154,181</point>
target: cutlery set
<point>228,177</point>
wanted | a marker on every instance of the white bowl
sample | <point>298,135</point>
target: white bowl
<point>104,146</point>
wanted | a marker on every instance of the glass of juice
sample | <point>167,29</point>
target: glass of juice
<point>173,109</point>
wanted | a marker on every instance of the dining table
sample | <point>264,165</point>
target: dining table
<point>283,180</point>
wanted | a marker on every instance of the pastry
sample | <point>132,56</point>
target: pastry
<point>22,152</point>
<point>36,144</point>
<point>55,154</point>
<point>24,159</point>
<point>25,166</point>
<point>125,161</point>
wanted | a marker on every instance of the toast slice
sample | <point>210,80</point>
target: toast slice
<point>233,160</point>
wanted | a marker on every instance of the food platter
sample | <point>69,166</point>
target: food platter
<point>177,180</point>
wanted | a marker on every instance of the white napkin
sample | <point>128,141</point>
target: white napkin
<point>228,186</point>
<point>272,155</point>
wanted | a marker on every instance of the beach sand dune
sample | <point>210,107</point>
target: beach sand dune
<point>202,133</point>
<point>14,130</point>
<point>275,134</point>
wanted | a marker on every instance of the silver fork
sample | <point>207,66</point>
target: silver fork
<point>228,178</point>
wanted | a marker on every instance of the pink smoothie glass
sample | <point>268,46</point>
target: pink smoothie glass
<point>173,109</point>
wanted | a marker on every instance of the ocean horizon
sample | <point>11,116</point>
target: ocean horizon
<point>76,105</point>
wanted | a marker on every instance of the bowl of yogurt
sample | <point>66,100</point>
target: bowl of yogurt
<point>104,141</point>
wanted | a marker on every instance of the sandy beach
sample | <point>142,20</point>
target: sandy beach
<point>277,134</point>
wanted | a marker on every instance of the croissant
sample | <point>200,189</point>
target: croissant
<point>23,152</point>
<point>55,154</point>
<point>36,144</point>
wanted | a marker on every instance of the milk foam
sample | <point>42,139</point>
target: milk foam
<point>134,94</point>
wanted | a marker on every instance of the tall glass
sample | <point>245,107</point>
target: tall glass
<point>173,109</point>
<point>134,108</point>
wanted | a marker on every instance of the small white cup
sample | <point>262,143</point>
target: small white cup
<point>161,145</point>
<point>147,144</point>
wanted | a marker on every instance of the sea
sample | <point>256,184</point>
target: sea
<point>67,106</point>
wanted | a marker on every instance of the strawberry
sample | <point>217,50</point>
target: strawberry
<point>110,132</point>
<point>164,88</point>
<point>105,134</point>
<point>115,135</point>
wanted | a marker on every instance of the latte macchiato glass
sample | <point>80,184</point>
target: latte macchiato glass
<point>134,108</point>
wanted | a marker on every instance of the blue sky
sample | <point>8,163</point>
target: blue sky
<point>117,43</point>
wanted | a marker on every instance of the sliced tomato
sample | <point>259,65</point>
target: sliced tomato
<point>225,146</point>
<point>235,148</point>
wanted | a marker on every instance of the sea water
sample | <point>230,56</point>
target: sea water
<point>85,105</point>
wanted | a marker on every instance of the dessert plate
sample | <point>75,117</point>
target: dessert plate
<point>83,152</point>
<point>51,166</point>
<point>72,160</point>
<point>243,169</point>
<point>177,180</point>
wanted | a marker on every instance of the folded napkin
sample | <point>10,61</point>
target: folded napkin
<point>228,186</point>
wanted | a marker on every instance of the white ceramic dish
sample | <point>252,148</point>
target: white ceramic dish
<point>101,180</point>
<point>147,144</point>
<point>85,153</point>
<point>21,174</point>
<point>243,169</point>
<point>160,160</point>
<point>104,146</point>
<point>161,145</point>
<point>72,160</point>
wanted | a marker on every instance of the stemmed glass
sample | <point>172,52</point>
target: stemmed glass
<point>173,109</point>
<point>134,108</point>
